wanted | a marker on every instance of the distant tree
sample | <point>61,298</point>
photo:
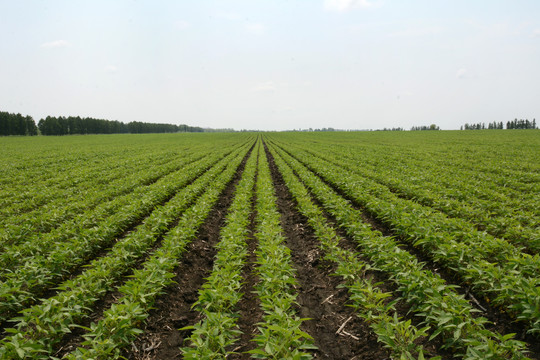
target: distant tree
<point>31,128</point>
<point>521,124</point>
<point>490,126</point>
<point>49,126</point>
<point>16,124</point>
<point>4,123</point>
<point>430,127</point>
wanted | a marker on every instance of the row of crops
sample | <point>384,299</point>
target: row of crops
<point>434,239</point>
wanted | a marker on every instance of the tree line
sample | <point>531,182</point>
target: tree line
<point>424,127</point>
<point>76,125</point>
<point>514,124</point>
<point>16,124</point>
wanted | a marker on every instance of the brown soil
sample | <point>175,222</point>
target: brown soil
<point>474,222</point>
<point>162,338</point>
<point>319,297</point>
<point>50,290</point>
<point>103,250</point>
<point>500,321</point>
<point>110,298</point>
<point>431,348</point>
<point>249,306</point>
<point>71,341</point>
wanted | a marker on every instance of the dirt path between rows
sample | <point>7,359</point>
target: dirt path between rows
<point>248,307</point>
<point>499,321</point>
<point>162,338</point>
<point>319,297</point>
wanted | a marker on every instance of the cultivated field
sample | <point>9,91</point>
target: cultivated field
<point>364,245</point>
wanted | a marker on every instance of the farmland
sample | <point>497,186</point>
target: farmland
<point>371,245</point>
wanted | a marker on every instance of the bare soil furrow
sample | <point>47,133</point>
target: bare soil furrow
<point>338,332</point>
<point>499,320</point>
<point>249,306</point>
<point>162,337</point>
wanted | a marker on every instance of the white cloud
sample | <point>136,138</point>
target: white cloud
<point>536,33</point>
<point>346,5</point>
<point>255,28</point>
<point>467,74</point>
<point>181,24</point>
<point>111,68</point>
<point>55,44</point>
<point>461,73</point>
<point>267,86</point>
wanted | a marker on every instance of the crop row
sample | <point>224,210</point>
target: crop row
<point>458,167</point>
<point>371,303</point>
<point>84,226</point>
<point>43,325</point>
<point>427,294</point>
<point>83,194</point>
<point>280,336</point>
<point>40,270</point>
<point>498,249</point>
<point>66,211</point>
<point>56,163</point>
<point>67,167</point>
<point>213,336</point>
<point>120,240</point>
<point>488,265</point>
<point>119,324</point>
<point>457,201</point>
<point>56,180</point>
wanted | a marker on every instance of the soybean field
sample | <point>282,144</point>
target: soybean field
<point>285,245</point>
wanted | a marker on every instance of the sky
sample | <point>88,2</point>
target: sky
<point>274,64</point>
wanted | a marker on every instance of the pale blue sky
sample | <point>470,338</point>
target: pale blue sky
<point>273,65</point>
